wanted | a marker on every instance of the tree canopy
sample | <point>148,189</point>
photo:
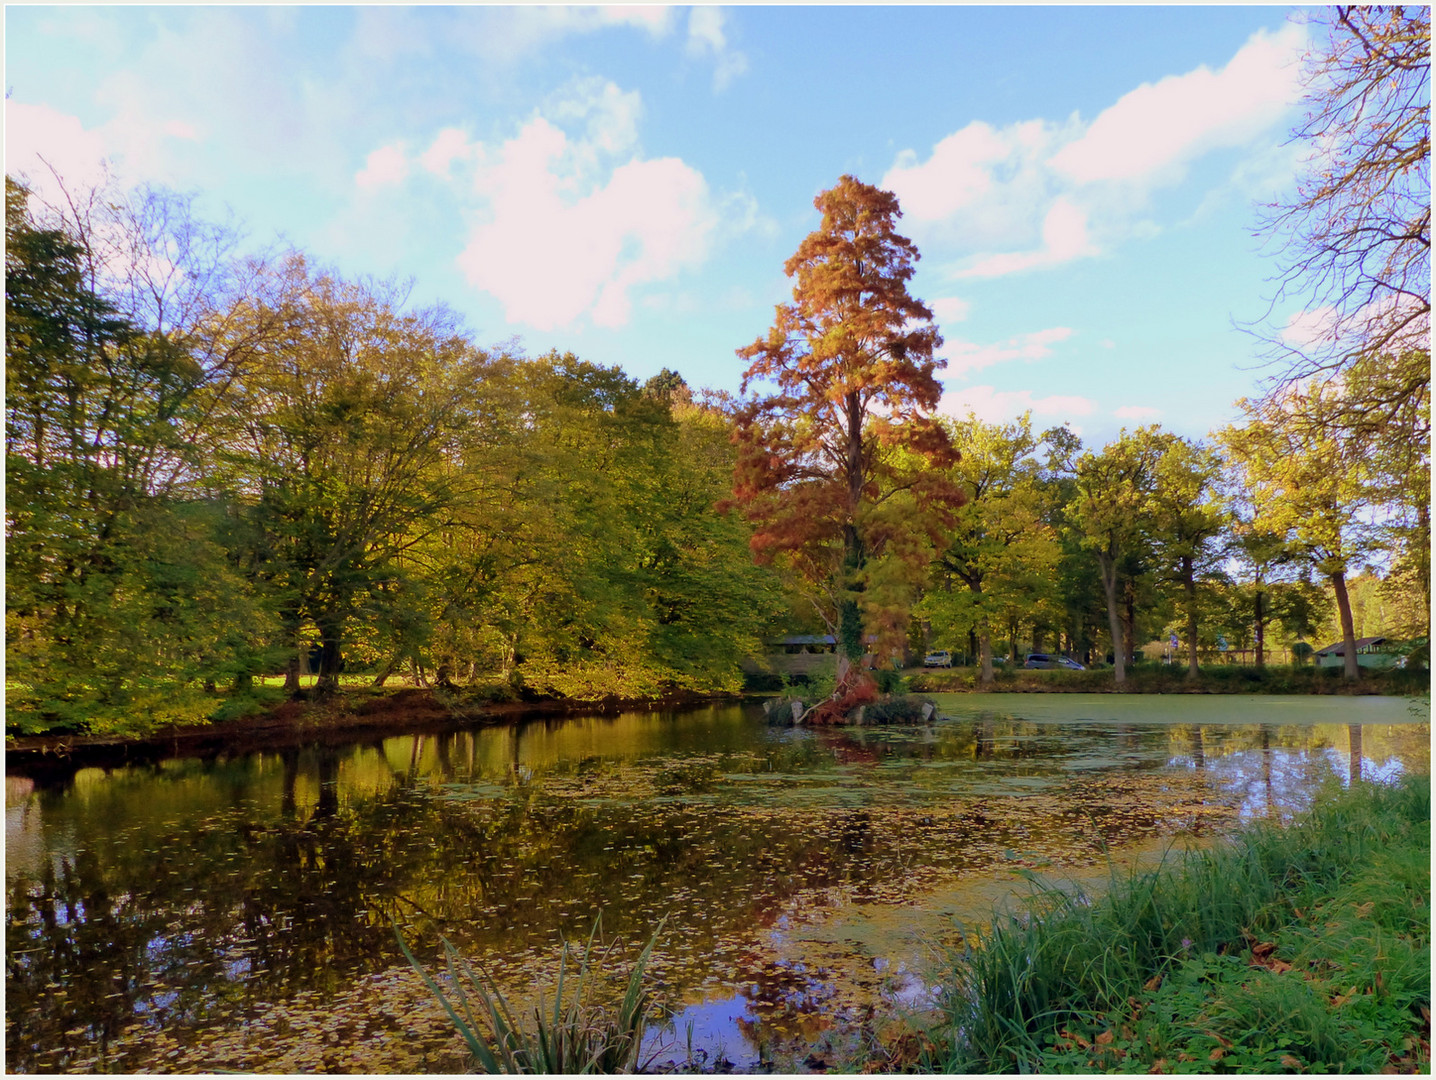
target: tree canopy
<point>848,428</point>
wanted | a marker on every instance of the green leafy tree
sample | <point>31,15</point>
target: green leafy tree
<point>1310,481</point>
<point>1001,548</point>
<point>340,444</point>
<point>117,582</point>
<point>1187,517</point>
<point>1110,514</point>
<point>587,558</point>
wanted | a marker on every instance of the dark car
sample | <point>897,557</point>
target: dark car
<point>1047,660</point>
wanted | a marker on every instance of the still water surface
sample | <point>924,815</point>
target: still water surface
<point>238,913</point>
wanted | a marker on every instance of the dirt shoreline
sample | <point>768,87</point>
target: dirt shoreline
<point>292,724</point>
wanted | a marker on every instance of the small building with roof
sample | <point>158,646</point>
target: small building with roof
<point>1370,652</point>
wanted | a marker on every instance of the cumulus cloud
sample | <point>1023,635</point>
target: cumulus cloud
<point>982,187</point>
<point>39,138</point>
<point>570,225</point>
<point>1064,238</point>
<point>569,219</point>
<point>1041,193</point>
<point>707,37</point>
<point>950,309</point>
<point>506,33</point>
<point>386,165</point>
<point>995,406</point>
<point>1156,129</point>
<point>449,145</point>
<point>965,357</point>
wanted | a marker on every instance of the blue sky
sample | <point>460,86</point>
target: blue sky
<point>626,183</point>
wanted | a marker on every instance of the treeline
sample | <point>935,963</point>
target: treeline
<point>219,468</point>
<point>224,467</point>
<point>1247,539</point>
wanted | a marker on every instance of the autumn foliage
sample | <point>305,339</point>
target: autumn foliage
<point>840,463</point>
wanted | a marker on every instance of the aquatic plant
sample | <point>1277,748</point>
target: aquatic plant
<point>576,1036</point>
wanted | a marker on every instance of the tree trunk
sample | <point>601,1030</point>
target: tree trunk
<point>330,657</point>
<point>1260,613</point>
<point>1348,630</point>
<point>1189,585</point>
<point>984,644</point>
<point>291,674</point>
<point>1129,624</point>
<point>850,621</point>
<point>1107,565</point>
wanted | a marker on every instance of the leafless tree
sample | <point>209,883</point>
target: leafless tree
<point>1355,238</point>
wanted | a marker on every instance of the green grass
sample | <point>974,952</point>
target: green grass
<point>1172,679</point>
<point>145,710</point>
<point>1297,949</point>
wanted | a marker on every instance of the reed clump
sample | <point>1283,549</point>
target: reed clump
<point>577,1035</point>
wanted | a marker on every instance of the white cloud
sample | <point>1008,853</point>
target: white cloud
<point>965,357</point>
<point>386,165</point>
<point>503,34</point>
<point>571,226</point>
<point>179,129</point>
<point>958,173</point>
<point>950,309</point>
<point>1153,131</point>
<point>982,187</point>
<point>1308,328</point>
<point>1136,412</point>
<point>995,406</point>
<point>449,145</point>
<point>1064,238</point>
<point>37,134</point>
<point>610,115</point>
<point>707,37</point>
<point>1038,193</point>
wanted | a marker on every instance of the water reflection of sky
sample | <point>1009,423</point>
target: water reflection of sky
<point>805,873</point>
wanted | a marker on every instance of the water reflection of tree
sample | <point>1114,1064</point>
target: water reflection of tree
<point>229,912</point>
<point>182,918</point>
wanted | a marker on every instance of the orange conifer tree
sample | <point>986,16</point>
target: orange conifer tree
<point>840,465</point>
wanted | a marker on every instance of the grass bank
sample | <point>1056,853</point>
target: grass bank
<point>155,724</point>
<point>1171,679</point>
<point>1297,949</point>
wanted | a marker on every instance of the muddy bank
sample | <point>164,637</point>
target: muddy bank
<point>335,721</point>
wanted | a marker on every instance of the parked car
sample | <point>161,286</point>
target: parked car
<point>1047,660</point>
<point>941,658</point>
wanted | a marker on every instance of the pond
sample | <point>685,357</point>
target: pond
<point>238,912</point>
